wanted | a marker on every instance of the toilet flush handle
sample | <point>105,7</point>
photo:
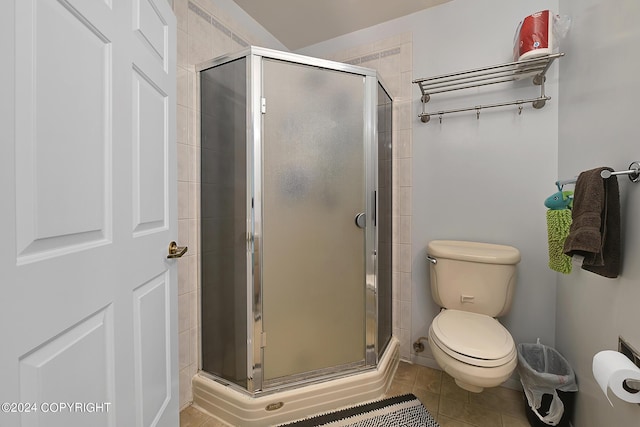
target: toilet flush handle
<point>431,259</point>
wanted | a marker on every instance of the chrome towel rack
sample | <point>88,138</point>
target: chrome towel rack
<point>633,173</point>
<point>502,73</point>
<point>561,183</point>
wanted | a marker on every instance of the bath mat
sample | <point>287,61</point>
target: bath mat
<point>405,410</point>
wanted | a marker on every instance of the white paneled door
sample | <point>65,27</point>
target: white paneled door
<point>88,297</point>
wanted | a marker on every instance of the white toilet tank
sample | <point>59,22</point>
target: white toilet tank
<point>473,276</point>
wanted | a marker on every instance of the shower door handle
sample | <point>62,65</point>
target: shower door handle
<point>361,220</point>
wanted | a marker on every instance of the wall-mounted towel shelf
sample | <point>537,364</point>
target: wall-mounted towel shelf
<point>502,73</point>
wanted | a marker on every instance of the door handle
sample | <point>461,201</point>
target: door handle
<point>361,220</point>
<point>176,251</point>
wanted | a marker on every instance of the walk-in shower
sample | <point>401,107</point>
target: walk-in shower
<point>296,218</point>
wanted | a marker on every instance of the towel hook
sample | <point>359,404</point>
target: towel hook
<point>478,112</point>
<point>519,108</point>
<point>561,183</point>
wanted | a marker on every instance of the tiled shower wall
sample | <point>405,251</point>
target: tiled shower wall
<point>205,32</point>
<point>393,59</point>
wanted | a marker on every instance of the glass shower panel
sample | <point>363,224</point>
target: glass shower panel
<point>384,218</point>
<point>224,221</point>
<point>313,187</point>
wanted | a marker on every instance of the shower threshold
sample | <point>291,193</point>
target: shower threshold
<point>236,408</point>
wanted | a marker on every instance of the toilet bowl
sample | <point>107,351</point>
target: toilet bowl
<point>473,283</point>
<point>475,349</point>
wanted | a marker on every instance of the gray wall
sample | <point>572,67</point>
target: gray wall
<point>599,91</point>
<point>486,179</point>
<point>483,179</point>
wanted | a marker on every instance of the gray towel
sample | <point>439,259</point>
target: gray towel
<point>595,227</point>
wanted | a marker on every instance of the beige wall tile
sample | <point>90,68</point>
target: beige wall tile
<point>404,285</point>
<point>185,393</point>
<point>183,232</point>
<point>182,87</point>
<point>406,57</point>
<point>395,290</point>
<point>199,22</point>
<point>194,273</point>
<point>371,60</point>
<point>404,201</point>
<point>194,236</point>
<point>405,344</point>
<point>193,309</point>
<point>180,8</point>
<point>403,144</point>
<point>193,100</point>
<point>404,229</point>
<point>183,200</point>
<point>402,115</point>
<point>183,162</point>
<point>403,167</point>
<point>194,198</point>
<point>183,276</point>
<point>194,163</point>
<point>182,124</point>
<point>406,86</point>
<point>193,343</point>
<point>184,357</point>
<point>402,257</point>
<point>182,59</point>
<point>405,315</point>
<point>194,128</point>
<point>221,41</point>
<point>200,50</point>
<point>184,315</point>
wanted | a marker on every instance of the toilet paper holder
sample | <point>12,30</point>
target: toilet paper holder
<point>631,385</point>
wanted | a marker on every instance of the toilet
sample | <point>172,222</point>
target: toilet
<point>473,283</point>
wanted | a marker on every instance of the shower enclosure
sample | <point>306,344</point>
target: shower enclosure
<point>295,221</point>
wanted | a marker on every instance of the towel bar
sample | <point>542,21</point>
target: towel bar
<point>562,183</point>
<point>633,172</point>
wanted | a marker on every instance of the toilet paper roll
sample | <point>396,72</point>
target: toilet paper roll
<point>610,369</point>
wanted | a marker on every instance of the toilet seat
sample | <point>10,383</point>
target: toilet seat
<point>472,338</point>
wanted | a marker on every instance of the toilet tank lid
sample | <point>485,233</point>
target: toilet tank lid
<point>487,253</point>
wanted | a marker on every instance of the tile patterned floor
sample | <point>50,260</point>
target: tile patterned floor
<point>449,404</point>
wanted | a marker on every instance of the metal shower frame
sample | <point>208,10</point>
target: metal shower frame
<point>255,55</point>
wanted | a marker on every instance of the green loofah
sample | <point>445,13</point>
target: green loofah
<point>558,223</point>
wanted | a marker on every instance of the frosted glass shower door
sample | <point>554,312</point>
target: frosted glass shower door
<point>313,254</point>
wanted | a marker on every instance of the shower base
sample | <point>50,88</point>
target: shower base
<point>239,409</point>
